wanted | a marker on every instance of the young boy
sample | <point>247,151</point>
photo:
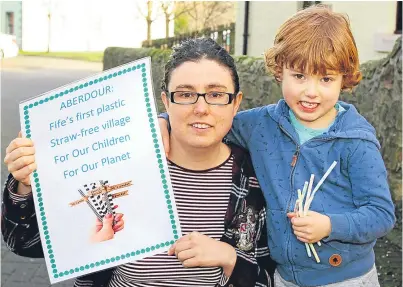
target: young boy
<point>315,57</point>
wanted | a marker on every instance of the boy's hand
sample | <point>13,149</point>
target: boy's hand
<point>198,250</point>
<point>311,228</point>
<point>164,134</point>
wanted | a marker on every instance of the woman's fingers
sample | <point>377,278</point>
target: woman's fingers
<point>21,163</point>
<point>18,153</point>
<point>22,175</point>
<point>17,143</point>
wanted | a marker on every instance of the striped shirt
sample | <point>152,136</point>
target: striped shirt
<point>202,199</point>
<point>244,227</point>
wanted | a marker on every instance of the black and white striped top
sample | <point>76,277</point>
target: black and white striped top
<point>202,199</point>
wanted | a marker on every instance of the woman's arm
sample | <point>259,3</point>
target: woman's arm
<point>19,226</point>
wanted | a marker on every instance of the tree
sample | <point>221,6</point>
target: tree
<point>173,10</point>
<point>206,14</point>
<point>149,15</point>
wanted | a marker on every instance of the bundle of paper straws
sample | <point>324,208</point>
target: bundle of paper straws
<point>301,209</point>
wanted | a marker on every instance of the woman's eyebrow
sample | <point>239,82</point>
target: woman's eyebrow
<point>184,86</point>
<point>214,85</point>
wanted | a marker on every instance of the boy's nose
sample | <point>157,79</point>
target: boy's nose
<point>311,90</point>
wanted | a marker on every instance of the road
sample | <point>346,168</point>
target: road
<point>26,77</point>
<point>21,79</point>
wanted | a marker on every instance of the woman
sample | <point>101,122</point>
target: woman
<point>220,204</point>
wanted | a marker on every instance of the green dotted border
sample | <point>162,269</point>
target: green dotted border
<point>42,215</point>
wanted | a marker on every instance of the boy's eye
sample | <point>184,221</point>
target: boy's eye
<point>327,79</point>
<point>299,76</point>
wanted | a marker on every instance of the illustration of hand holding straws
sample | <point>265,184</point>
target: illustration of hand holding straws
<point>302,209</point>
<point>100,201</point>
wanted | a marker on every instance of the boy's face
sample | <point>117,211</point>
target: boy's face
<point>312,97</point>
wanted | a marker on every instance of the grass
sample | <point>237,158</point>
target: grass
<point>85,56</point>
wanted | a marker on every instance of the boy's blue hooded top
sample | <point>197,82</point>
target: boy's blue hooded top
<point>355,195</point>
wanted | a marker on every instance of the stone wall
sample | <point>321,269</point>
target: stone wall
<point>378,97</point>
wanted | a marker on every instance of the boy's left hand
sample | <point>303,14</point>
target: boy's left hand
<point>311,228</point>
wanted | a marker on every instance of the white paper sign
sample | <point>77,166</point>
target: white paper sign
<point>98,149</point>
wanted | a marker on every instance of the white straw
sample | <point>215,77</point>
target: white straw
<point>304,190</point>
<point>300,211</point>
<point>308,251</point>
<point>314,253</point>
<point>308,196</point>
<point>323,179</point>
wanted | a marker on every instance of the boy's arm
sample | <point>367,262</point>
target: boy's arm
<point>243,125</point>
<point>374,216</point>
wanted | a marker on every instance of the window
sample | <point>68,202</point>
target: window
<point>10,23</point>
<point>398,29</point>
<point>306,4</point>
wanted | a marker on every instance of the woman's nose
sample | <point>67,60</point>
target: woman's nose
<point>201,106</point>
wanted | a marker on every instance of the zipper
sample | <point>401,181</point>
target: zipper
<point>293,163</point>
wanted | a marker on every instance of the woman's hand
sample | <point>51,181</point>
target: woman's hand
<point>198,250</point>
<point>20,161</point>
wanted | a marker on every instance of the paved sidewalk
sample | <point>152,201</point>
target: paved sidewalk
<point>17,271</point>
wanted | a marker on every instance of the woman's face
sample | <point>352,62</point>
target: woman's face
<point>200,125</point>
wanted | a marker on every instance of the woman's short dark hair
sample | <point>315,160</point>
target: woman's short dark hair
<point>194,50</point>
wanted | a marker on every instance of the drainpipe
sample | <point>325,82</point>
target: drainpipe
<point>246,29</point>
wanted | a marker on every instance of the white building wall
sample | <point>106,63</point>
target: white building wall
<point>368,20</point>
<point>12,6</point>
<point>87,25</point>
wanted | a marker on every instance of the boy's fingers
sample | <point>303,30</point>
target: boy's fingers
<point>311,213</point>
<point>164,134</point>
<point>299,228</point>
<point>302,239</point>
<point>300,221</point>
<point>291,214</point>
<point>301,234</point>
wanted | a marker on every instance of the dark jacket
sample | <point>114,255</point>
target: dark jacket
<point>21,235</point>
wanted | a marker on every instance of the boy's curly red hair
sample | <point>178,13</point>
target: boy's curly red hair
<point>316,40</point>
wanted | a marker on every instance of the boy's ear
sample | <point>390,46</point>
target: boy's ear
<point>279,75</point>
<point>165,100</point>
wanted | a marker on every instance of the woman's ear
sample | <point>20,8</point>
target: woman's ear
<point>237,102</point>
<point>165,100</point>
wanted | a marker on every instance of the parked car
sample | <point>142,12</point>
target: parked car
<point>8,46</point>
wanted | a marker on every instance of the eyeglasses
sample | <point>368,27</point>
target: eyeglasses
<point>211,98</point>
